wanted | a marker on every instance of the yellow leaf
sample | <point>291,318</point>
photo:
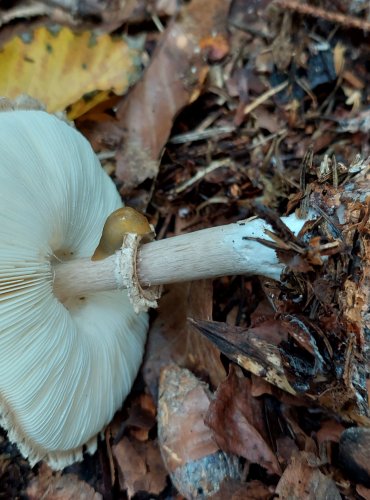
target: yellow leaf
<point>59,67</point>
<point>87,102</point>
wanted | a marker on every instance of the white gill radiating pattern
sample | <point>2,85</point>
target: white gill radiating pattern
<point>64,368</point>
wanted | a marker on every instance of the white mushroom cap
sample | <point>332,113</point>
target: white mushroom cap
<point>64,368</point>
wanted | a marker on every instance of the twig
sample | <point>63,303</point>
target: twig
<point>263,97</point>
<point>202,135</point>
<point>333,17</point>
<point>24,11</point>
<point>226,162</point>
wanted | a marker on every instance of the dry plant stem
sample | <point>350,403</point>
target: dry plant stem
<point>264,97</point>
<point>209,253</point>
<point>331,16</point>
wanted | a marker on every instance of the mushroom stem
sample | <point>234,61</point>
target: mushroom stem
<point>208,253</point>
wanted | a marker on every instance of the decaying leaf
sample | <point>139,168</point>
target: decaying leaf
<point>182,406</point>
<point>53,486</point>
<point>234,490</point>
<point>173,340</point>
<point>173,80</point>
<point>330,430</point>
<point>354,454</point>
<point>193,459</point>
<point>245,15</point>
<point>59,67</point>
<point>363,492</point>
<point>255,349</point>
<point>140,467</point>
<point>236,418</point>
<point>140,420</point>
<point>303,480</point>
<point>315,343</point>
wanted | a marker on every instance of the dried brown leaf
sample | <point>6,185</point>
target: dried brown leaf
<point>285,448</point>
<point>140,466</point>
<point>249,15</point>
<point>53,486</point>
<point>215,47</point>
<point>234,490</point>
<point>173,79</point>
<point>196,465</point>
<point>330,430</point>
<point>354,454</point>
<point>172,338</point>
<point>137,11</point>
<point>363,492</point>
<point>237,420</point>
<point>182,407</point>
<point>267,120</point>
<point>301,480</point>
<point>255,349</point>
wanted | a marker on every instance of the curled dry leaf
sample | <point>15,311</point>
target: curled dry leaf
<point>237,420</point>
<point>173,80</point>
<point>193,459</point>
<point>255,349</point>
<point>59,67</point>
<point>302,480</point>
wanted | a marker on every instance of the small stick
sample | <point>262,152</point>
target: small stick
<point>331,16</point>
<point>264,97</point>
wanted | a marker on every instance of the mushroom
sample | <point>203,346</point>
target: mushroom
<point>66,365</point>
<point>70,339</point>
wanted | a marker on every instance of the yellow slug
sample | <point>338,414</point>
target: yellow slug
<point>121,221</point>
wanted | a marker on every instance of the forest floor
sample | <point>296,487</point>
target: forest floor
<point>206,113</point>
